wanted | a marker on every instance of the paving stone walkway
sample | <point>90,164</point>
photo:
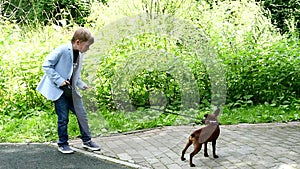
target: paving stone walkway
<point>261,146</point>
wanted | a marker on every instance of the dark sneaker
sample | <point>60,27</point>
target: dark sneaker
<point>65,149</point>
<point>91,146</point>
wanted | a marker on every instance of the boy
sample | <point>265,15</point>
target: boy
<point>60,65</point>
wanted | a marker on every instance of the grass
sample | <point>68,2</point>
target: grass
<point>38,127</point>
<point>259,114</point>
<point>41,127</point>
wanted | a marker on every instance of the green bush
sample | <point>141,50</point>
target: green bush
<point>264,75</point>
<point>260,66</point>
<point>23,52</point>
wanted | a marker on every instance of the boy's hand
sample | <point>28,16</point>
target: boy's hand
<point>86,87</point>
<point>65,83</point>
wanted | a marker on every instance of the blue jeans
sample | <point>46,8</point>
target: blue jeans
<point>62,107</point>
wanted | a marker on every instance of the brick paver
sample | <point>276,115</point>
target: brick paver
<point>239,146</point>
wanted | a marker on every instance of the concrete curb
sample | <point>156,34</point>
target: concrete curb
<point>106,158</point>
<point>110,159</point>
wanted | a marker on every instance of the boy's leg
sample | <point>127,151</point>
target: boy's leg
<point>62,111</point>
<point>79,110</point>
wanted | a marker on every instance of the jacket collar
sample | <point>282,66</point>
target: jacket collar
<point>70,50</point>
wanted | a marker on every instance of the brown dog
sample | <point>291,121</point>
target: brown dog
<point>209,133</point>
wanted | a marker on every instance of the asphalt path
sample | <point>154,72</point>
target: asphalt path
<point>45,156</point>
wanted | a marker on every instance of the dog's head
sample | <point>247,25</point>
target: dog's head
<point>211,118</point>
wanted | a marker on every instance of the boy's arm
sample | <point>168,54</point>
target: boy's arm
<point>81,84</point>
<point>49,67</point>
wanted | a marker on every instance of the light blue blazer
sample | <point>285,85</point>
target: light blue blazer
<point>58,67</point>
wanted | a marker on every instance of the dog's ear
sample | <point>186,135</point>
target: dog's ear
<point>217,112</point>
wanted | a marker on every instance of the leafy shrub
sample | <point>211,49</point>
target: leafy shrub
<point>23,52</point>
<point>264,77</point>
<point>259,63</point>
<point>142,71</point>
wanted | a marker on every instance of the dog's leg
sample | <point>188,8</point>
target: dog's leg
<point>197,148</point>
<point>184,150</point>
<point>205,150</point>
<point>214,148</point>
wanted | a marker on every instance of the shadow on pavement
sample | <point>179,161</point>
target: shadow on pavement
<point>25,156</point>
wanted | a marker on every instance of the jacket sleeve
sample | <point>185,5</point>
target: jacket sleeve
<point>80,83</point>
<point>49,66</point>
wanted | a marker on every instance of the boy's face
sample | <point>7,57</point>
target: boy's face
<point>82,46</point>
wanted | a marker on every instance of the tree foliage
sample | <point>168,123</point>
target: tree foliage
<point>284,14</point>
<point>61,12</point>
